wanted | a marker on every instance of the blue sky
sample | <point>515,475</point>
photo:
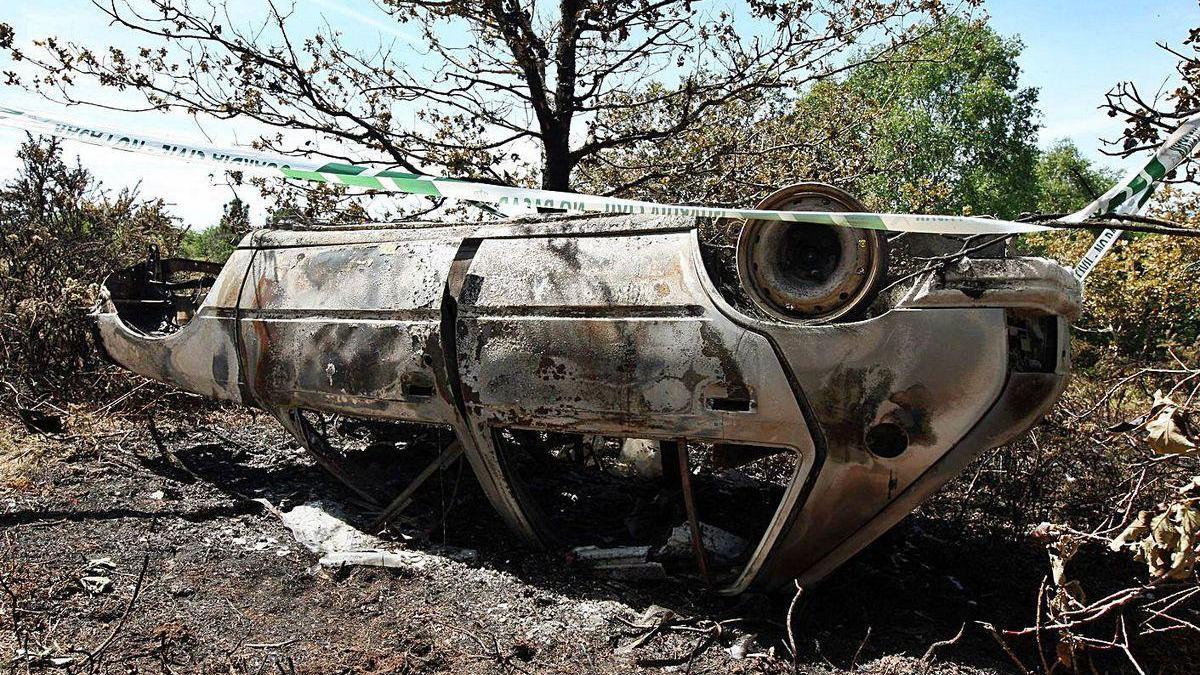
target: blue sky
<point>1075,50</point>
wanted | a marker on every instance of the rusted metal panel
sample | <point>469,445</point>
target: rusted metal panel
<point>638,349</point>
<point>349,327</point>
<point>933,376</point>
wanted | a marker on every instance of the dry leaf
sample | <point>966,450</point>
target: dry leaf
<point>1167,430</point>
<point>1184,558</point>
<point>1061,552</point>
<point>1139,528</point>
<point>1192,486</point>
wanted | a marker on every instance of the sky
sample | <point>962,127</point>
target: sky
<point>1075,51</point>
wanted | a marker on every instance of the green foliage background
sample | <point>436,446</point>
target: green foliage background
<point>217,243</point>
<point>943,126</point>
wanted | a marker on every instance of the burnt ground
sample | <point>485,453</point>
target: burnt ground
<point>226,589</point>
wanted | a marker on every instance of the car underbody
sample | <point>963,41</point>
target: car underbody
<point>620,388</point>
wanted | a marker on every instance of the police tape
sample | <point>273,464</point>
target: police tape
<point>1129,197</point>
<point>408,183</point>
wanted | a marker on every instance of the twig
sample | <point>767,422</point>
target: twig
<point>165,452</point>
<point>1122,381</point>
<point>854,660</point>
<point>1125,647</point>
<point>270,645</point>
<point>1129,223</point>
<point>1003,645</point>
<point>712,633</point>
<point>100,412</point>
<point>1174,599</point>
<point>942,261</point>
<point>933,648</point>
<point>791,636</point>
<point>12,598</point>
<point>98,653</point>
<point>1093,611</point>
<point>495,655</point>
<point>1037,624</point>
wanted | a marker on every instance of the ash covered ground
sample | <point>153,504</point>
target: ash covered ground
<point>204,578</point>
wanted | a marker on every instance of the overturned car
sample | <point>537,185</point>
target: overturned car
<point>620,388</point>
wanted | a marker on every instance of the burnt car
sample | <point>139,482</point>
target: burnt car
<point>622,387</point>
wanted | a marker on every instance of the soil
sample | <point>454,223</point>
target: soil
<point>207,579</point>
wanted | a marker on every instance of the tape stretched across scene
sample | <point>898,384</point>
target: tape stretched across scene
<point>414,184</point>
<point>1130,196</point>
<point>1126,197</point>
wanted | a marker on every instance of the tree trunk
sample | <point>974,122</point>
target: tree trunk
<point>557,162</point>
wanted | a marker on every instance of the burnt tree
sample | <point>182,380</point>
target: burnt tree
<point>479,84</point>
<point>1149,119</point>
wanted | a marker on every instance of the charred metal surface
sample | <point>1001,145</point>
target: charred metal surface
<point>610,326</point>
<point>201,356</point>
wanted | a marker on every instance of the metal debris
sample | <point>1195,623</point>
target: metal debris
<point>622,562</point>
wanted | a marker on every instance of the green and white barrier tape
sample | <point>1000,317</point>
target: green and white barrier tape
<point>1129,197</point>
<point>396,181</point>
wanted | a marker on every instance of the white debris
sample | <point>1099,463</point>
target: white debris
<point>407,560</point>
<point>94,577</point>
<point>95,584</point>
<point>321,527</point>
<point>42,658</point>
<point>724,547</point>
<point>99,566</point>
<point>643,456</point>
<point>742,647</point>
<point>622,562</point>
<point>263,543</point>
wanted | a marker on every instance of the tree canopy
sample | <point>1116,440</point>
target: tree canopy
<point>488,78</point>
<point>1067,181</point>
<point>941,125</point>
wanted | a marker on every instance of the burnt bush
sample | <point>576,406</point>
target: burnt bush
<point>61,234</point>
